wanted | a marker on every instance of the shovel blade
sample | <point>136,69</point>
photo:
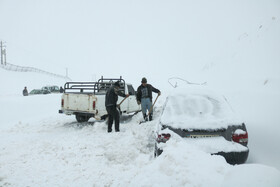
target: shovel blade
<point>142,122</point>
<point>145,120</point>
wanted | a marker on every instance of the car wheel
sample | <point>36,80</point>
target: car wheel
<point>234,157</point>
<point>82,118</point>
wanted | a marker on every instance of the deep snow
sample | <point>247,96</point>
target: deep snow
<point>40,147</point>
<point>233,45</point>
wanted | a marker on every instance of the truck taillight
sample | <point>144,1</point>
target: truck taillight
<point>163,138</point>
<point>93,105</point>
<point>240,138</point>
<point>62,102</point>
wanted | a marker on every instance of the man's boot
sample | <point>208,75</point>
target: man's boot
<point>150,117</point>
<point>145,117</point>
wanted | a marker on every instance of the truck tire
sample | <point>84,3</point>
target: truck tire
<point>104,117</point>
<point>82,118</point>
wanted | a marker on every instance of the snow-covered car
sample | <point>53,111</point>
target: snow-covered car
<point>38,91</point>
<point>203,118</point>
<point>52,89</point>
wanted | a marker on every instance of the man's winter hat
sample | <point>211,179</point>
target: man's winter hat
<point>144,80</point>
<point>117,84</point>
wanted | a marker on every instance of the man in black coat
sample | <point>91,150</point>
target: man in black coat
<point>61,90</point>
<point>145,97</point>
<point>25,92</point>
<point>111,106</point>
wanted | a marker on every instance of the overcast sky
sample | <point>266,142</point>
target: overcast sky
<point>157,39</point>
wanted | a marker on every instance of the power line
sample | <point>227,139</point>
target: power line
<point>12,67</point>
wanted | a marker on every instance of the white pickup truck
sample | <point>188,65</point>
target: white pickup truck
<point>87,99</point>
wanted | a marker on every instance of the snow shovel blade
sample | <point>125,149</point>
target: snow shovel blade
<point>144,121</point>
<point>141,122</point>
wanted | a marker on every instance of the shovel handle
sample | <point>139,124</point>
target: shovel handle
<point>153,105</point>
<point>121,102</point>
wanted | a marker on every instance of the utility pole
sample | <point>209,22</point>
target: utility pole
<point>5,59</point>
<point>1,46</point>
<point>3,54</point>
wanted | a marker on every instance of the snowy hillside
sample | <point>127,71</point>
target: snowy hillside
<point>13,82</point>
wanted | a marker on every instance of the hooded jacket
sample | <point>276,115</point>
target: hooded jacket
<point>150,90</point>
<point>112,96</point>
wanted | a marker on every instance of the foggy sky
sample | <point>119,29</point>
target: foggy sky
<point>157,39</point>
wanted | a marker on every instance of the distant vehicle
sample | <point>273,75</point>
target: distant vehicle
<point>38,91</point>
<point>52,89</point>
<point>87,99</point>
<point>204,119</point>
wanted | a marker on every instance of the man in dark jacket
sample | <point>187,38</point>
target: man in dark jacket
<point>25,92</point>
<point>111,106</point>
<point>145,97</point>
<point>61,90</point>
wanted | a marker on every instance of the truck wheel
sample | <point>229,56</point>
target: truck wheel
<point>82,118</point>
<point>104,117</point>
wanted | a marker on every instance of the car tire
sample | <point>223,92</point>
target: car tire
<point>82,118</point>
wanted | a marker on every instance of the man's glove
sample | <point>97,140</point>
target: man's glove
<point>138,102</point>
<point>159,93</point>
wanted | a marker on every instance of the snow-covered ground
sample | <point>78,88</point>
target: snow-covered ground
<point>40,147</point>
<point>232,45</point>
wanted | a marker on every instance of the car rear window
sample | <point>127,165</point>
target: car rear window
<point>197,109</point>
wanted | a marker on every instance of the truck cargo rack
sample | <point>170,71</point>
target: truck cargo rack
<point>97,88</point>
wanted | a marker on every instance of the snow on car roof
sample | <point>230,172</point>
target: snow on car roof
<point>197,107</point>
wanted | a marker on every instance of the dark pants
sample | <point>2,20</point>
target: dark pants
<point>113,114</point>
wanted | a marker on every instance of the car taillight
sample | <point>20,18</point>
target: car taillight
<point>62,102</point>
<point>93,105</point>
<point>240,138</point>
<point>163,138</point>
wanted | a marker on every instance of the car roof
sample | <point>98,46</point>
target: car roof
<point>197,107</point>
<point>50,86</point>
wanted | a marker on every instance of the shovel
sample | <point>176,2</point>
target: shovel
<point>121,102</point>
<point>118,105</point>
<point>149,111</point>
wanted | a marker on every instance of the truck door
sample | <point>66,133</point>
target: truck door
<point>132,102</point>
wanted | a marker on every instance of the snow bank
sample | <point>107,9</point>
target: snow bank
<point>182,164</point>
<point>43,148</point>
<point>252,175</point>
<point>207,145</point>
<point>185,164</point>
